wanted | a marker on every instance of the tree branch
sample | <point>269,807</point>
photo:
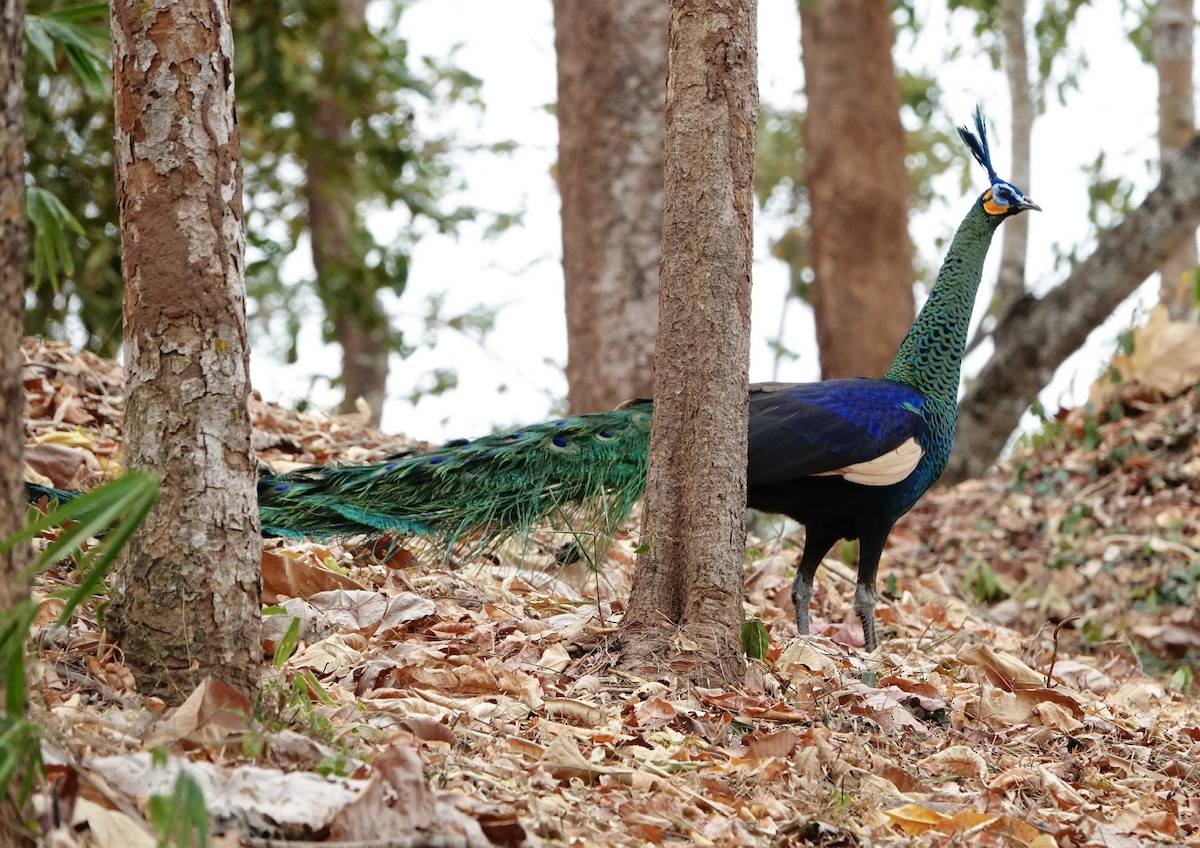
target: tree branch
<point>1037,335</point>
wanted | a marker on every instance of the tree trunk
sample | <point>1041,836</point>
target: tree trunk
<point>612,66</point>
<point>13,245</point>
<point>862,257</point>
<point>1037,335</point>
<point>186,600</point>
<point>14,815</point>
<point>1011,283</point>
<point>1173,27</point>
<point>354,310</point>
<point>357,315</point>
<point>690,579</point>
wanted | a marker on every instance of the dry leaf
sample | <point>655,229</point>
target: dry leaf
<point>958,760</point>
<point>212,713</point>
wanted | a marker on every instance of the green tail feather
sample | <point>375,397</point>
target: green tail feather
<point>34,493</point>
<point>581,474</point>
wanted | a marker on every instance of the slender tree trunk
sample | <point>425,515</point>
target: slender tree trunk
<point>13,244</point>
<point>862,257</point>
<point>1174,25</point>
<point>357,315</point>
<point>1037,335</point>
<point>690,578</point>
<point>1011,283</point>
<point>612,67</point>
<point>186,600</point>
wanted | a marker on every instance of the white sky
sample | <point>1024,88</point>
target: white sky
<point>510,45</point>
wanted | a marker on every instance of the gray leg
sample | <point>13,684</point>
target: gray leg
<point>815,548</point>
<point>870,548</point>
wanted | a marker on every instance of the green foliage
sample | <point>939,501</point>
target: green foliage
<point>782,195</point>
<point>290,702</point>
<point>755,639</point>
<point>1139,15</point>
<point>780,190</point>
<point>1110,200</point>
<point>75,268</point>
<point>1051,46</point>
<point>51,221</point>
<point>180,818</point>
<point>295,62</point>
<point>74,32</point>
<point>287,70</point>
<point>981,582</point>
<point>287,644</point>
<point>111,512</point>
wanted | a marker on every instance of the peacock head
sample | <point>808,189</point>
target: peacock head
<point>1002,199</point>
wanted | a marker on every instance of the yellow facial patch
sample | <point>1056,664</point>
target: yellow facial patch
<point>990,206</point>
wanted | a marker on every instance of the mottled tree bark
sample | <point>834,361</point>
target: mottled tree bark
<point>1037,335</point>
<point>612,68</point>
<point>1011,283</point>
<point>689,580</point>
<point>1173,46</point>
<point>186,600</point>
<point>862,257</point>
<point>13,244</point>
<point>358,317</point>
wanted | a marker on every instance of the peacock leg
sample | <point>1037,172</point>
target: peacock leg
<point>815,548</point>
<point>870,549</point>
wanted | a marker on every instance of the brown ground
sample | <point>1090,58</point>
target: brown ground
<point>1035,686</point>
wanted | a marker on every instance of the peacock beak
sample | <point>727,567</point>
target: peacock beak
<point>1027,203</point>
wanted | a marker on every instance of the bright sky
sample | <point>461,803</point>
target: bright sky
<point>518,377</point>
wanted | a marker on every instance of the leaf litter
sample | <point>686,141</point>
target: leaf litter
<point>1036,684</point>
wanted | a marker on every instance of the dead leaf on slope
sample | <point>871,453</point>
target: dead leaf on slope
<point>957,760</point>
<point>261,800</point>
<point>1005,670</point>
<point>210,715</point>
<point>396,801</point>
<point>915,819</point>
<point>290,574</point>
<point>565,762</point>
<point>1164,361</point>
<point>66,467</point>
<point>371,613</point>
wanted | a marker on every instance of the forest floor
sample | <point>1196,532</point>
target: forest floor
<point>1036,684</point>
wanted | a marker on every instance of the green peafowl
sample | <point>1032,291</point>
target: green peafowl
<point>846,458</point>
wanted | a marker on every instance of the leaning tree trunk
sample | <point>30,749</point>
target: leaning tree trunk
<point>1173,26</point>
<point>612,66</point>
<point>1037,335</point>
<point>689,581</point>
<point>186,600</point>
<point>862,257</point>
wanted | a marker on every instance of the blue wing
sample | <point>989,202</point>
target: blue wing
<point>805,429</point>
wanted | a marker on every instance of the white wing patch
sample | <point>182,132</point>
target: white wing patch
<point>884,470</point>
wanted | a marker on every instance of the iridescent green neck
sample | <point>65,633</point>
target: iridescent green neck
<point>930,357</point>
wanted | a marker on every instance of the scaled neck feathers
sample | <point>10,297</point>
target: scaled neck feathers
<point>931,355</point>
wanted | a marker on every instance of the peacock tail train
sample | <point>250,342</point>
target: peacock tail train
<point>581,475</point>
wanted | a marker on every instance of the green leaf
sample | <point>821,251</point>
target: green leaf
<point>83,45</point>
<point>287,644</point>
<point>112,511</point>
<point>180,818</point>
<point>50,221</point>
<point>755,639</point>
